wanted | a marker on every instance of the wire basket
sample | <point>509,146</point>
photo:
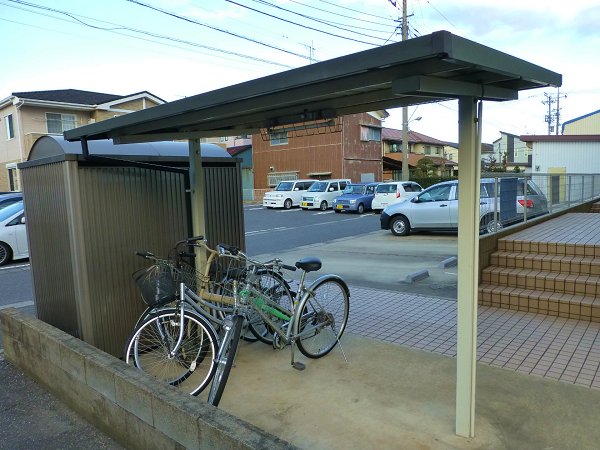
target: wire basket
<point>156,284</point>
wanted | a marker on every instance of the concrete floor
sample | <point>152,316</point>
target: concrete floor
<point>391,397</point>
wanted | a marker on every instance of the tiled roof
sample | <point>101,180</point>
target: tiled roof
<point>237,150</point>
<point>391,134</point>
<point>69,96</point>
<point>413,159</point>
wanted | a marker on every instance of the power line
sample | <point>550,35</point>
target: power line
<point>297,24</point>
<point>230,33</point>
<point>356,10</point>
<point>114,27</point>
<point>361,20</point>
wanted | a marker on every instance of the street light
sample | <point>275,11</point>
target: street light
<point>405,122</point>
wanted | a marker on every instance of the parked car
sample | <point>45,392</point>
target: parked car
<point>392,192</point>
<point>8,198</point>
<point>287,194</point>
<point>321,194</point>
<point>357,197</point>
<point>13,235</point>
<point>436,208</point>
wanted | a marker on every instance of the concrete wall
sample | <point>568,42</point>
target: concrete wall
<point>122,401</point>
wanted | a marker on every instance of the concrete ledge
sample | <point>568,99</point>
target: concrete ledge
<point>416,276</point>
<point>125,403</point>
<point>448,262</point>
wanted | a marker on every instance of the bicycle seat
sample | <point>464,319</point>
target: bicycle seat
<point>309,264</point>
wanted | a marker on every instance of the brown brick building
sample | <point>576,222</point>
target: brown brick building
<point>352,151</point>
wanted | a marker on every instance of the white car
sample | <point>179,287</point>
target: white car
<point>321,194</point>
<point>287,194</point>
<point>13,235</point>
<point>392,192</point>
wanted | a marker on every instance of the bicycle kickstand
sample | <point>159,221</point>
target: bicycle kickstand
<point>296,364</point>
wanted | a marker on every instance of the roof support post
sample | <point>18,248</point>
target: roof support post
<point>197,190</point>
<point>468,264</point>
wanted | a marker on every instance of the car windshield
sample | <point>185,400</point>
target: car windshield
<point>10,210</point>
<point>354,189</point>
<point>319,186</point>
<point>285,186</point>
<point>386,188</point>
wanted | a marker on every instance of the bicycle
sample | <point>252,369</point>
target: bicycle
<point>314,322</point>
<point>177,332</point>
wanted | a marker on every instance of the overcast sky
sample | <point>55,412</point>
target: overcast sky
<point>178,48</point>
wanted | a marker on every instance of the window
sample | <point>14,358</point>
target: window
<point>12,178</point>
<point>224,138</point>
<point>427,150</point>
<point>280,138</point>
<point>273,179</point>
<point>10,130</point>
<point>370,134</point>
<point>57,123</point>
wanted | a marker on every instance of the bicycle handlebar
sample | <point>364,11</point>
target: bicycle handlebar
<point>146,255</point>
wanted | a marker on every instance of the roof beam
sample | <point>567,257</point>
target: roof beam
<point>439,87</point>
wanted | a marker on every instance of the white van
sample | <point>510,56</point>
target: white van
<point>321,194</point>
<point>392,192</point>
<point>287,194</point>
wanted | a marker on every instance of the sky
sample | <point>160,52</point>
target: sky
<point>180,48</point>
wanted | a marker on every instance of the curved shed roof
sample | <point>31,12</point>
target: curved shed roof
<point>57,146</point>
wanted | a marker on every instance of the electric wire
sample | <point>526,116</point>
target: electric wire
<point>295,23</point>
<point>315,19</point>
<point>230,33</point>
<point>362,19</point>
<point>115,27</point>
<point>355,10</point>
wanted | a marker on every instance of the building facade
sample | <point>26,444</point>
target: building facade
<point>587,124</point>
<point>347,147</point>
<point>26,116</point>
<point>510,152</point>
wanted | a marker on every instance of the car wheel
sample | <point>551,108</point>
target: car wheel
<point>489,225</point>
<point>287,204</point>
<point>337,211</point>
<point>360,209</point>
<point>400,226</point>
<point>323,205</point>
<point>5,254</point>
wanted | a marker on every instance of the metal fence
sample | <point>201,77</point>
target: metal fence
<point>559,190</point>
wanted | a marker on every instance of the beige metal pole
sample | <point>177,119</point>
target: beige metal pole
<point>468,265</point>
<point>198,196</point>
<point>405,168</point>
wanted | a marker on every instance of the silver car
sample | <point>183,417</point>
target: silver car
<point>436,208</point>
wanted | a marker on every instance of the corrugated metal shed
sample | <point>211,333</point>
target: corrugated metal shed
<point>86,217</point>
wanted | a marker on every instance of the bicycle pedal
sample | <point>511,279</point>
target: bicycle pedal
<point>298,365</point>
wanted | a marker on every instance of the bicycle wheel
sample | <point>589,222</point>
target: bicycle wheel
<point>225,359</point>
<point>277,291</point>
<point>322,317</point>
<point>192,367</point>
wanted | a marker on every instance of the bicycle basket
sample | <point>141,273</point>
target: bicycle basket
<point>156,284</point>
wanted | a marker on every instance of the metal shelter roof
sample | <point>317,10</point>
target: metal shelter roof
<point>56,147</point>
<point>426,69</point>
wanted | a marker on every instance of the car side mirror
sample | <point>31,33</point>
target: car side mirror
<point>415,199</point>
<point>23,220</point>
<point>330,189</point>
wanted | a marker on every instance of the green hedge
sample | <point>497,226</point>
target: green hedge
<point>425,182</point>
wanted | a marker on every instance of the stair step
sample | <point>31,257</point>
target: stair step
<point>540,280</point>
<point>548,248</point>
<point>570,306</point>
<point>554,263</point>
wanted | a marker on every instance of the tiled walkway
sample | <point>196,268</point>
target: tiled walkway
<point>564,349</point>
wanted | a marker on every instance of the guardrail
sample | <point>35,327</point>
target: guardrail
<point>560,191</point>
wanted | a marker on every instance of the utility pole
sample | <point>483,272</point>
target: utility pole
<point>553,116</point>
<point>405,171</point>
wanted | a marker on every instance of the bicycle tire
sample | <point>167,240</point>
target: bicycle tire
<point>277,289</point>
<point>323,314</point>
<point>192,368</point>
<point>225,360</point>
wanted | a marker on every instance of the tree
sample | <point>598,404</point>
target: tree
<point>425,167</point>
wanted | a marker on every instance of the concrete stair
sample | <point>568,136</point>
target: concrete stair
<point>595,207</point>
<point>554,278</point>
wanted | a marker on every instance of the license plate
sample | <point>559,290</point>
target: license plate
<point>304,204</point>
<point>340,206</point>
